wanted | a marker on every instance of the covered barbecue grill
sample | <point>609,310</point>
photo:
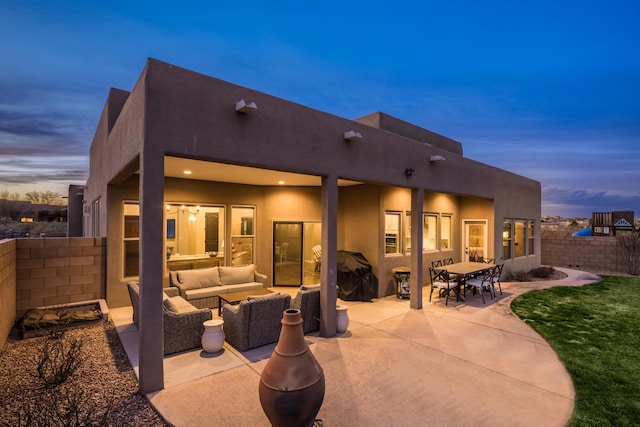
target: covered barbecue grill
<point>356,281</point>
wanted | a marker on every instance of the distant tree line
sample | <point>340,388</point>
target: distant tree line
<point>43,197</point>
<point>39,206</point>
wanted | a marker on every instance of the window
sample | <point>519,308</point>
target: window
<point>392,222</point>
<point>95,217</point>
<point>445,232</point>
<point>519,238</point>
<point>194,235</point>
<point>242,235</point>
<point>429,232</point>
<point>506,239</point>
<point>407,233</point>
<point>131,234</point>
<point>531,237</point>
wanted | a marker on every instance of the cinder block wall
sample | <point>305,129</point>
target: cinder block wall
<point>52,271</point>
<point>593,253</point>
<point>7,288</point>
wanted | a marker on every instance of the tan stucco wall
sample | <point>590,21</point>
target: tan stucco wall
<point>7,288</point>
<point>174,111</point>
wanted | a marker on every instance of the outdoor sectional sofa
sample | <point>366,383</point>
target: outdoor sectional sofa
<point>201,287</point>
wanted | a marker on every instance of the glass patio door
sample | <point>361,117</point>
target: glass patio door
<point>294,263</point>
<point>474,240</point>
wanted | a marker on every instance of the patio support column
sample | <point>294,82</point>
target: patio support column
<point>415,280</point>
<point>328,260</point>
<point>151,345</point>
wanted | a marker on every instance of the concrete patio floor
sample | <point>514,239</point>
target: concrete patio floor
<point>464,364</point>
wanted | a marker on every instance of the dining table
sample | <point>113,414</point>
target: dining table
<point>465,270</point>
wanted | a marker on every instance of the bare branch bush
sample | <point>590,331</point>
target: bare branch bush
<point>629,243</point>
<point>65,407</point>
<point>58,357</point>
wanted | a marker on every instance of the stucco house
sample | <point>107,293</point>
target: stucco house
<point>187,171</point>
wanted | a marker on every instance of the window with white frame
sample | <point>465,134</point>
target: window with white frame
<point>131,239</point>
<point>407,233</point>
<point>95,217</point>
<point>392,227</point>
<point>445,232</point>
<point>520,238</point>
<point>507,238</point>
<point>429,232</point>
<point>242,235</point>
<point>531,237</point>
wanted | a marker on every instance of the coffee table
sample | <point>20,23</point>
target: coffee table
<point>234,298</point>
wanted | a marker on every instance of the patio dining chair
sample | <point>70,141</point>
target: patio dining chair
<point>447,261</point>
<point>441,280</point>
<point>497,272</point>
<point>482,284</point>
<point>436,264</point>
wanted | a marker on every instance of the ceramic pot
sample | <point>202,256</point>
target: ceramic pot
<point>342,319</point>
<point>292,383</point>
<point>213,336</point>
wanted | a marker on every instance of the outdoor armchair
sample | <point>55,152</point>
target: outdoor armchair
<point>308,302</point>
<point>256,321</point>
<point>182,322</point>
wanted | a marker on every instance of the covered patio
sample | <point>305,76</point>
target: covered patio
<point>467,363</point>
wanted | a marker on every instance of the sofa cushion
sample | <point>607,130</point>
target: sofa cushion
<point>309,287</point>
<point>211,291</point>
<point>199,278</point>
<point>178,305</point>
<point>235,275</point>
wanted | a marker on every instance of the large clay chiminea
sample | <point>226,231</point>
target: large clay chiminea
<point>292,383</point>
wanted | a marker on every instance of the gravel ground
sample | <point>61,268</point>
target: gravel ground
<point>103,385</point>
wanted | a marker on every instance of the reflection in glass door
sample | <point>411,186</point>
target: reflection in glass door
<point>294,262</point>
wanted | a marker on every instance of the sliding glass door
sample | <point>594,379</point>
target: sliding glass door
<point>296,245</point>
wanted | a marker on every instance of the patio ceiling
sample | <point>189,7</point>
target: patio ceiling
<point>175,167</point>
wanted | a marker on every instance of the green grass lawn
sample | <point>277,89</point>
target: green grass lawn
<point>595,329</point>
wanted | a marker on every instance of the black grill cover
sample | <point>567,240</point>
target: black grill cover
<point>356,281</point>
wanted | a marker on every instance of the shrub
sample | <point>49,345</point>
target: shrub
<point>58,357</point>
<point>520,276</point>
<point>542,272</point>
<point>630,245</point>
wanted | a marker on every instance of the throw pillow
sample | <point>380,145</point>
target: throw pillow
<point>255,297</point>
<point>236,275</point>
<point>178,305</point>
<point>309,287</point>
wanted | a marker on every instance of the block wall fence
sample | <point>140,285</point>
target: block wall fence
<point>7,288</point>
<point>59,270</point>
<point>590,253</point>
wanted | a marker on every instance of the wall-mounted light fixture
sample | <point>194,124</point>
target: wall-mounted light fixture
<point>243,107</point>
<point>436,158</point>
<point>409,171</point>
<point>352,135</point>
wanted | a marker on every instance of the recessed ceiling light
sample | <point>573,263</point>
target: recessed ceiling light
<point>281,182</point>
<point>187,172</point>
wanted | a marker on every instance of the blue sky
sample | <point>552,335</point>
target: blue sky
<point>547,89</point>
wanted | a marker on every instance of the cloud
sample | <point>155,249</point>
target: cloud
<point>566,202</point>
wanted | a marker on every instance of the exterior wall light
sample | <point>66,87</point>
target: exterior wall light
<point>409,171</point>
<point>243,107</point>
<point>352,135</point>
<point>436,158</point>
